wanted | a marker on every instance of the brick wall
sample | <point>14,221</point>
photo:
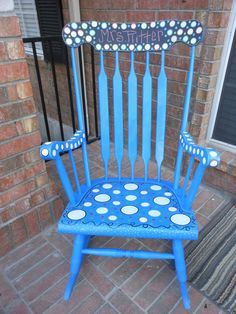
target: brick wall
<point>28,200</point>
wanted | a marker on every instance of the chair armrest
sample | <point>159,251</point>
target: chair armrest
<point>209,157</point>
<point>50,150</point>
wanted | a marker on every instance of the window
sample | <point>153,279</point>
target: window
<point>27,13</point>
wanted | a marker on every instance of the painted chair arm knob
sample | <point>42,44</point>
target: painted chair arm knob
<point>209,157</point>
<point>50,150</point>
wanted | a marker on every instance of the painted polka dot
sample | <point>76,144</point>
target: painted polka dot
<point>145,204</point>
<point>165,46</point>
<point>213,154</point>
<point>131,186</point>
<point>123,47</point>
<point>116,192</point>
<point>154,213</point>
<point>106,46</point>
<point>102,210</point>
<point>139,47</point>
<point>143,192</point>
<point>114,25</point>
<point>104,25</point>
<point>194,23</point>
<point>180,219</point>
<point>69,41</point>
<point>129,210</point>
<point>123,26</point>
<point>143,219</point>
<point>174,39</point>
<point>98,47</point>
<point>87,204</point>
<point>84,25</point>
<point>157,46</point>
<point>199,30</point>
<point>167,193</point>
<point>180,32</point>
<point>183,24</point>
<point>92,32</point>
<point>133,26</point>
<point>45,152</point>
<point>155,187</point>
<point>185,39</point>
<point>107,186</point>
<point>147,47</point>
<point>131,197</point>
<point>190,31</point>
<point>193,41</point>
<point>213,163</point>
<point>153,24</point>
<point>76,214</point>
<point>88,38</point>
<point>143,25</point>
<point>115,47</point>
<point>116,203</point>
<point>204,161</point>
<point>112,217</point>
<point>102,198</point>
<point>80,33</point>
<point>160,200</point>
<point>95,190</point>
<point>172,209</point>
<point>54,152</point>
<point>163,23</point>
<point>94,23</point>
<point>67,30</point>
<point>73,34</point>
<point>169,32</point>
<point>172,23</point>
<point>131,47</point>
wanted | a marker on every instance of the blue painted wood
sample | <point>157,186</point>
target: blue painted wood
<point>75,171</point>
<point>181,271</point>
<point>161,115</point>
<point>80,242</point>
<point>147,116</point>
<point>104,114</point>
<point>65,180</point>
<point>80,114</point>
<point>132,115</point>
<point>128,253</point>
<point>118,115</point>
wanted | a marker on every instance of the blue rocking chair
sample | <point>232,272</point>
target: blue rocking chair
<point>131,207</point>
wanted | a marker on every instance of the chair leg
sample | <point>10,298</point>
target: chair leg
<point>80,242</point>
<point>181,271</point>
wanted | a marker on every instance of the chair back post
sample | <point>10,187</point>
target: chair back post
<point>80,115</point>
<point>184,118</point>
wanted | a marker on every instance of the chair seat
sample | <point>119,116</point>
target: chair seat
<point>129,208</point>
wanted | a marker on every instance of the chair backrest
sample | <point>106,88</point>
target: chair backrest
<point>148,38</point>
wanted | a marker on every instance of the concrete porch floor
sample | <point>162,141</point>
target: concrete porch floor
<point>33,276</point>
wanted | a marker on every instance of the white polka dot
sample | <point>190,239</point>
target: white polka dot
<point>133,26</point>
<point>54,152</point>
<point>44,152</point>
<point>190,31</point>
<point>74,25</point>
<point>143,192</point>
<point>204,161</point>
<point>153,24</point>
<point>92,32</point>
<point>104,25</point>
<point>143,219</point>
<point>163,23</point>
<point>123,26</point>
<point>172,23</point>
<point>213,163</point>
<point>98,46</point>
<point>139,47</point>
<point>115,47</point>
<point>114,25</point>
<point>169,32</point>
<point>106,46</point>
<point>157,47</point>
<point>107,186</point>
<point>173,39</point>
<point>147,47</point>
<point>155,187</point>
<point>172,209</point>
<point>143,25</point>
<point>199,30</point>
<point>67,30</point>
<point>123,47</point>
<point>116,203</point>
<point>80,33</point>
<point>160,200</point>
<point>102,210</point>
<point>167,194</point>
<point>87,204</point>
<point>95,190</point>
<point>129,210</point>
<point>73,34</point>
<point>131,47</point>
<point>69,41</point>
<point>180,219</point>
<point>102,198</point>
<point>202,153</point>
<point>185,38</point>
<point>165,46</point>
<point>183,24</point>
<point>94,24</point>
<point>194,23</point>
<point>62,146</point>
<point>76,214</point>
<point>180,32</point>
<point>130,186</point>
<point>145,204</point>
<point>116,192</point>
<point>154,213</point>
<point>84,25</point>
<point>88,38</point>
<point>193,41</point>
<point>112,217</point>
<point>213,153</point>
<point>131,197</point>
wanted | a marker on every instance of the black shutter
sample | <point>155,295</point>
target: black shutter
<point>51,22</point>
<point>225,125</point>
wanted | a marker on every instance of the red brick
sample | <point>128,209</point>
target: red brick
<point>45,217</point>
<point>123,304</point>
<point>15,49</point>
<point>60,243</point>
<point>24,90</point>
<point>28,125</point>
<point>37,197</point>
<point>13,71</point>
<point>11,92</point>
<point>46,282</point>
<point>41,180</point>
<point>218,19</point>
<point>17,192</point>
<point>208,307</point>
<point>18,231</point>
<point>5,243</point>
<point>9,26</point>
<point>32,223</point>
<point>57,207</point>
<point>3,52</point>
<point>7,131</point>
<point>16,110</point>
<point>8,293</point>
<point>19,144</point>
<point>7,214</point>
<point>195,298</point>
